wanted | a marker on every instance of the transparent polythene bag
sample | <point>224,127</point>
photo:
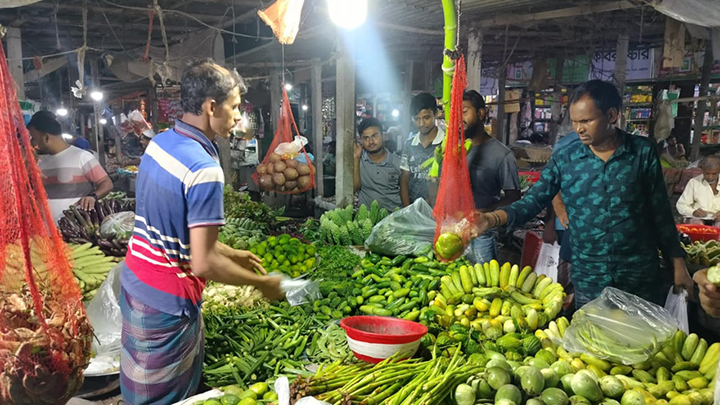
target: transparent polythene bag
<point>299,291</point>
<point>104,314</point>
<point>408,231</point>
<point>119,225</point>
<point>619,327</point>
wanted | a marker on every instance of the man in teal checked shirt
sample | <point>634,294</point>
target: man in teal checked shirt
<point>618,209</point>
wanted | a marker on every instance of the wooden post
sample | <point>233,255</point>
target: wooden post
<point>429,85</point>
<point>97,109</point>
<point>152,100</point>
<point>317,124</point>
<point>405,117</point>
<point>474,64</point>
<point>556,107</point>
<point>14,47</point>
<point>275,93</point>
<point>345,110</point>
<point>501,120</point>
<point>702,103</point>
<point>621,54</point>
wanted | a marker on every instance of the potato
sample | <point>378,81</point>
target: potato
<point>303,169</point>
<point>266,182</point>
<point>291,174</point>
<point>261,169</point>
<point>278,179</point>
<point>290,185</point>
<point>274,157</point>
<point>279,167</point>
<point>292,163</point>
<point>303,182</point>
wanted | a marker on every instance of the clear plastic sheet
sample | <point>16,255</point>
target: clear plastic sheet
<point>104,314</point>
<point>408,231</point>
<point>619,327</point>
<point>119,225</point>
<point>299,291</point>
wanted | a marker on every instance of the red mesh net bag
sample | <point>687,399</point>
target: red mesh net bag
<point>454,208</point>
<point>286,168</point>
<point>45,335</point>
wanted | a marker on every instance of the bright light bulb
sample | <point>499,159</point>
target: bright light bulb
<point>67,136</point>
<point>62,111</point>
<point>304,107</point>
<point>395,113</point>
<point>103,121</point>
<point>348,14</point>
<point>96,95</point>
<point>288,87</point>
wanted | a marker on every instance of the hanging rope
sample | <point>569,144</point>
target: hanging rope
<point>151,14</point>
<point>162,30</point>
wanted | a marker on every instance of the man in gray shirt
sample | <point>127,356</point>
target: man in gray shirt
<point>493,170</point>
<point>377,175</point>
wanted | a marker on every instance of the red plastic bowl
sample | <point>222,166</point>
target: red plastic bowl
<point>696,234</point>
<point>375,338</point>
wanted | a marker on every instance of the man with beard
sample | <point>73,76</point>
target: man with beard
<point>419,151</point>
<point>377,175</point>
<point>617,205</point>
<point>493,173</point>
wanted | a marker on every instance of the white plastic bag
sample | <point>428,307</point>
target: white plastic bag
<point>548,260</point>
<point>119,225</point>
<point>299,291</point>
<point>289,150</point>
<point>676,304</point>
<point>619,327</point>
<point>103,312</point>
<point>407,231</point>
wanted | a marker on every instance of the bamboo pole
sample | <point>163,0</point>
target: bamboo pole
<point>448,65</point>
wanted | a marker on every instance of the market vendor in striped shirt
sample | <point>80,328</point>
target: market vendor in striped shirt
<point>174,248</point>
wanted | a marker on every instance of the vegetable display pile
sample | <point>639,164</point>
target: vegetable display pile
<point>251,345</point>
<point>704,253</point>
<point>90,268</point>
<point>80,226</point>
<point>235,395</point>
<point>240,233</point>
<point>497,300</point>
<point>239,205</point>
<point>389,382</point>
<point>338,227</point>
<point>285,254</point>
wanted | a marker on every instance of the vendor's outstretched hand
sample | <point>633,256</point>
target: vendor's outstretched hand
<point>484,221</point>
<point>709,294</point>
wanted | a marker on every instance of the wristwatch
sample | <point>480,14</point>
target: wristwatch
<point>94,196</point>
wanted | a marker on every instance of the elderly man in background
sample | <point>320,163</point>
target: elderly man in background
<point>700,201</point>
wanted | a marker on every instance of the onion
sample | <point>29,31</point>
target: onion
<point>279,167</point>
<point>292,163</point>
<point>274,157</point>
<point>278,179</point>
<point>291,174</point>
<point>261,169</point>
<point>266,182</point>
<point>303,169</point>
<point>303,182</point>
<point>290,185</point>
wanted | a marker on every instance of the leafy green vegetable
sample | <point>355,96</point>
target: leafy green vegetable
<point>239,205</point>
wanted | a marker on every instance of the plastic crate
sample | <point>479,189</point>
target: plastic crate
<point>701,233</point>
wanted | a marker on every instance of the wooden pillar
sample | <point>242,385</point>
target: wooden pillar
<point>14,55</point>
<point>429,85</point>
<point>345,111</point>
<point>702,104</point>
<point>152,100</point>
<point>501,120</point>
<point>620,69</point>
<point>275,100</point>
<point>97,109</point>
<point>474,64</point>
<point>317,124</point>
<point>556,107</point>
<point>405,117</point>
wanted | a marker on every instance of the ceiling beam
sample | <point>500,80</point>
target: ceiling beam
<point>592,8</point>
<point>118,10</point>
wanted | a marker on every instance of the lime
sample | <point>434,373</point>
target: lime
<point>270,396</point>
<point>248,401</point>
<point>233,389</point>
<point>229,399</point>
<point>259,388</point>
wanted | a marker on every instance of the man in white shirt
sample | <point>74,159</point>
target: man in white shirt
<point>70,175</point>
<point>700,200</point>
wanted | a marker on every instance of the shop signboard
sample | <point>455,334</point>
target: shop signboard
<point>575,70</point>
<point>692,65</point>
<point>639,65</point>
